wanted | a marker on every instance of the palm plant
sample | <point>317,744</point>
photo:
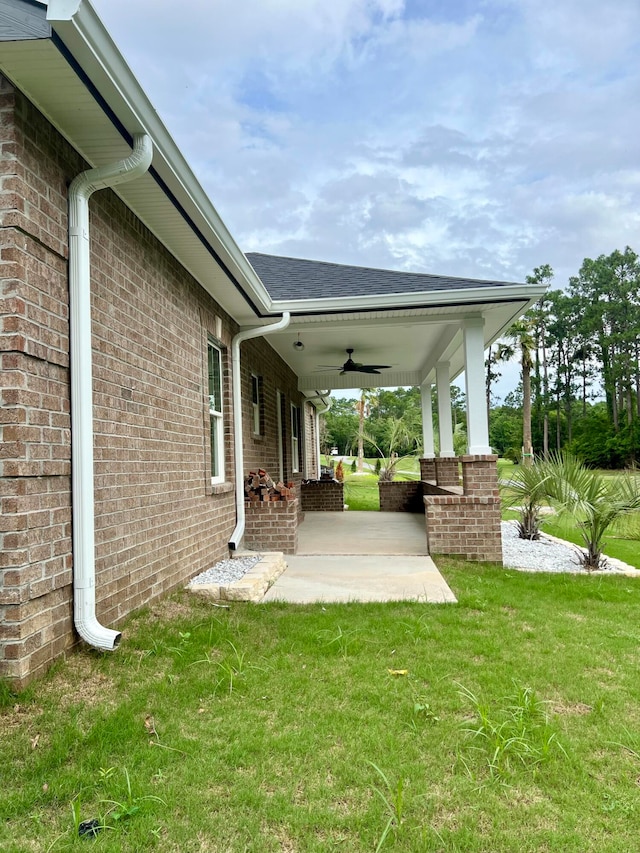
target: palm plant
<point>527,490</point>
<point>399,433</point>
<point>594,500</point>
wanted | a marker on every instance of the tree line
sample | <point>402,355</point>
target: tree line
<point>579,354</point>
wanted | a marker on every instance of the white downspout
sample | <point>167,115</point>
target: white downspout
<point>319,412</point>
<point>84,570</point>
<point>236,379</point>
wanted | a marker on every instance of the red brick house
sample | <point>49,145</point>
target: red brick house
<point>147,363</point>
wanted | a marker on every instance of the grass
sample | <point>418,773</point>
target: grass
<point>361,490</point>
<point>352,727</point>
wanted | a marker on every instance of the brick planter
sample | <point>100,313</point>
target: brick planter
<point>399,496</point>
<point>271,526</point>
<point>322,496</point>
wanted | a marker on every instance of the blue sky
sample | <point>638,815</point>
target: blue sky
<point>466,138</point>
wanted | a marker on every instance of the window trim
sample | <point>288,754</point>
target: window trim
<point>256,407</point>
<point>295,439</point>
<point>217,461</point>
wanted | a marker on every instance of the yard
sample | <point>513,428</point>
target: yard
<point>343,727</point>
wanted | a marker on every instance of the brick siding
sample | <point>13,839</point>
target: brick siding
<point>159,521</point>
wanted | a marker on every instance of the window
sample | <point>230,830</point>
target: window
<point>295,439</point>
<point>255,404</point>
<point>215,413</point>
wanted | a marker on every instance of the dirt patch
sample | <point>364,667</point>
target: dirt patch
<point>574,709</point>
<point>19,716</point>
<point>169,610</point>
<point>78,682</point>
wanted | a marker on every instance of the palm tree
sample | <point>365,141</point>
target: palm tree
<point>368,399</point>
<point>399,433</point>
<point>594,500</point>
<point>522,334</point>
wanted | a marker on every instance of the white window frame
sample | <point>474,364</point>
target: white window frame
<point>280,410</point>
<point>255,403</point>
<point>295,439</point>
<point>216,414</point>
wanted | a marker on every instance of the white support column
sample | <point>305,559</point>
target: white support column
<point>474,370</point>
<point>427,420</point>
<point>445,421</point>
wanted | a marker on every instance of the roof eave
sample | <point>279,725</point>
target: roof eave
<point>527,293</point>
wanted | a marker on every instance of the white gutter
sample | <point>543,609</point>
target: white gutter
<point>236,379</point>
<point>81,189</point>
<point>507,292</point>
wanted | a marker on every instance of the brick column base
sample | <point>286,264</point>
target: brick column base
<point>468,525</point>
<point>447,473</point>
<point>428,468</point>
<point>271,526</point>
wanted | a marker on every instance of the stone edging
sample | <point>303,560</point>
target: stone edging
<point>252,586</point>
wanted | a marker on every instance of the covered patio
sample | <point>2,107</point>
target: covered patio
<point>372,328</point>
<point>361,556</point>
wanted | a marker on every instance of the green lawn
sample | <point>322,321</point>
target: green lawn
<point>257,728</point>
<point>361,491</point>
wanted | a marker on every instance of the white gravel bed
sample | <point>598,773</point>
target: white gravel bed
<point>227,571</point>
<point>549,554</point>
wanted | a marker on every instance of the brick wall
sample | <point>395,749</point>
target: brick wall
<point>159,521</point>
<point>272,526</point>
<point>468,525</point>
<point>400,496</point>
<point>322,496</point>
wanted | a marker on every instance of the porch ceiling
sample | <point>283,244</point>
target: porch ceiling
<point>411,340</point>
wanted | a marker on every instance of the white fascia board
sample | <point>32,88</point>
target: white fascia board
<point>470,295</point>
<point>81,30</point>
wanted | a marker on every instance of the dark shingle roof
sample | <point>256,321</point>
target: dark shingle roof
<point>296,278</point>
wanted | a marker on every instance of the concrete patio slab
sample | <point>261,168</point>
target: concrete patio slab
<point>362,533</point>
<point>360,578</point>
<point>361,556</point>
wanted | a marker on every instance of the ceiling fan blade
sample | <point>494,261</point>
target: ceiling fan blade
<point>367,368</point>
<point>377,366</point>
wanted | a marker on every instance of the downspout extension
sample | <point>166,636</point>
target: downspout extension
<point>257,332</point>
<point>84,571</point>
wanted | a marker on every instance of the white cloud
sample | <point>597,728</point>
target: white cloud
<point>478,138</point>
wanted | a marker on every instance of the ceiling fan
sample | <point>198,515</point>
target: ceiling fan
<point>351,366</point>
